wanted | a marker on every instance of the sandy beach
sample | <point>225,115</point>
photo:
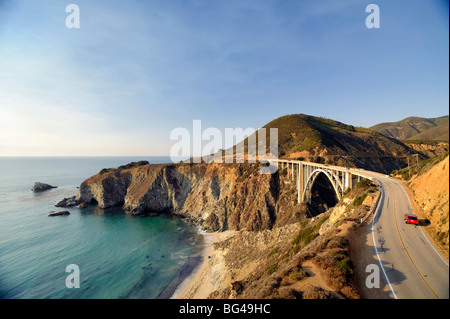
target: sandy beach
<point>199,283</point>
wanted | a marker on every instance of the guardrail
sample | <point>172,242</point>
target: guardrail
<point>374,205</point>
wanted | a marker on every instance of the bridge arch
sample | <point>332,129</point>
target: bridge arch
<point>334,179</point>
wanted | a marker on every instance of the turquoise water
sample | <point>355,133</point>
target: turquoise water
<point>119,256</point>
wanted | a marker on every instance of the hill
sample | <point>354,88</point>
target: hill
<point>317,139</point>
<point>438,133</point>
<point>428,148</point>
<point>416,128</point>
<point>431,194</point>
<point>266,245</point>
<point>299,258</point>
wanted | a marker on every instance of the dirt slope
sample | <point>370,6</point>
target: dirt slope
<point>431,193</point>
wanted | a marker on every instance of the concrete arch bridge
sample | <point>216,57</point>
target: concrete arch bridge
<point>306,173</point>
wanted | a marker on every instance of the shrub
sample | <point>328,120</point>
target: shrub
<point>344,264</point>
<point>359,200</point>
<point>313,292</point>
<point>335,278</point>
<point>305,236</point>
<point>272,269</point>
<point>337,242</point>
<point>319,224</point>
<point>298,275</point>
<point>104,171</point>
<point>284,293</point>
<point>364,183</point>
<point>274,251</point>
<point>134,164</point>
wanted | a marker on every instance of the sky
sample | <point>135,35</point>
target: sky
<point>136,70</point>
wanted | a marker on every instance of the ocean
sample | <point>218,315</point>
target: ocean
<point>118,255</point>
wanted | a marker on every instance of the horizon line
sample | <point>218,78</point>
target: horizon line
<point>5,156</point>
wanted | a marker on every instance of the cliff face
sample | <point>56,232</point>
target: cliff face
<point>431,193</point>
<point>429,149</point>
<point>217,195</point>
<point>276,250</point>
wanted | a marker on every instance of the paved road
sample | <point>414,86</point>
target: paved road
<point>410,266</point>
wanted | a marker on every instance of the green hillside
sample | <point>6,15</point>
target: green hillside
<point>438,133</point>
<point>327,141</point>
<point>416,128</point>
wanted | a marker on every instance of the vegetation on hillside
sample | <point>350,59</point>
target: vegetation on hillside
<point>283,258</point>
<point>419,168</point>
<point>416,128</point>
<point>122,167</point>
<point>326,141</point>
<point>429,185</point>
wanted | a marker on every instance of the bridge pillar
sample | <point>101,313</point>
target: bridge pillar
<point>336,178</point>
<point>348,181</point>
<point>300,182</point>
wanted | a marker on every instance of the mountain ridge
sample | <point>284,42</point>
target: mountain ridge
<point>318,139</point>
<point>416,128</point>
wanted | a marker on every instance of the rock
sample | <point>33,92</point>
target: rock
<point>68,202</point>
<point>217,196</point>
<point>238,287</point>
<point>38,186</point>
<point>83,205</point>
<point>60,213</point>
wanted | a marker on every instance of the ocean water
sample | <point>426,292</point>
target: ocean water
<point>119,256</point>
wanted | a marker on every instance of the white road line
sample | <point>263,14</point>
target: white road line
<point>375,245</point>
<point>426,237</point>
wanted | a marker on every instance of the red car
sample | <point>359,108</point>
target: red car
<point>411,219</point>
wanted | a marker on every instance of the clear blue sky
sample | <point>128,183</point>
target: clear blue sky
<point>135,70</point>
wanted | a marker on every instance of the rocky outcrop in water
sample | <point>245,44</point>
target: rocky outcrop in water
<point>61,213</point>
<point>68,202</point>
<point>38,187</point>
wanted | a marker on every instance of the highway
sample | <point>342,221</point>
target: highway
<point>410,266</point>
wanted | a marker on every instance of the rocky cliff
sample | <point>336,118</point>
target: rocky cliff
<point>219,196</point>
<point>279,250</point>
<point>431,193</point>
<point>306,259</point>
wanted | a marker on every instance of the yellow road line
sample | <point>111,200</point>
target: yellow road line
<point>407,252</point>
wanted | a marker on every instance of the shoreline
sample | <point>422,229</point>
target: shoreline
<point>194,285</point>
<point>191,266</point>
<point>190,271</point>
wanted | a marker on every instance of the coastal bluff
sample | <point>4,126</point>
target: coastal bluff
<point>218,196</point>
<point>263,245</point>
